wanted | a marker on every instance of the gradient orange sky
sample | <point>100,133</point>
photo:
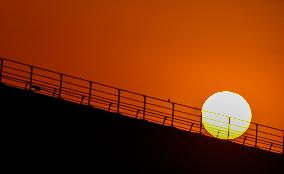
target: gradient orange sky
<point>185,50</point>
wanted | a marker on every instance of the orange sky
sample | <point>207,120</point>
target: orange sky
<point>185,50</point>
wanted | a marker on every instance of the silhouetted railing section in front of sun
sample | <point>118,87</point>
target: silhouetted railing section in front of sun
<point>136,105</point>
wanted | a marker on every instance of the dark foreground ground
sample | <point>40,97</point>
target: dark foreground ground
<point>47,134</point>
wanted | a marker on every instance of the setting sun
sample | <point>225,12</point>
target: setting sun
<point>226,115</point>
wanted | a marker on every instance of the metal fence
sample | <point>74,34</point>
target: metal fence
<point>132,104</point>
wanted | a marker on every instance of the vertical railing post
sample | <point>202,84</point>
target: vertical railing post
<point>191,127</point>
<point>118,100</point>
<point>90,93</point>
<point>244,140</point>
<point>229,127</point>
<point>31,76</point>
<point>200,125</point>
<point>256,132</point>
<point>283,144</point>
<point>1,68</point>
<point>82,99</point>
<point>60,85</point>
<point>109,106</point>
<point>144,107</point>
<point>173,113</point>
<point>271,144</point>
<point>137,113</point>
<point>164,120</point>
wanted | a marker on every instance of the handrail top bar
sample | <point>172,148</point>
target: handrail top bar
<point>78,78</point>
<point>122,90</point>
<point>17,62</point>
<point>270,127</point>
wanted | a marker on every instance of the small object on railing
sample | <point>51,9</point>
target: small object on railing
<point>218,133</point>
<point>36,88</point>
<point>270,147</point>
<point>109,107</point>
<point>191,127</point>
<point>164,120</point>
<point>82,99</point>
<point>54,92</point>
<point>137,113</point>
<point>244,140</point>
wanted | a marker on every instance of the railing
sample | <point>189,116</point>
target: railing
<point>134,105</point>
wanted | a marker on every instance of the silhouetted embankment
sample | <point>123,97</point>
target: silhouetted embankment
<point>56,135</point>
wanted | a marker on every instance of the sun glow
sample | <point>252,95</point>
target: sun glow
<point>226,115</point>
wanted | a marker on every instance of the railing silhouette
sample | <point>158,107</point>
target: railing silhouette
<point>132,104</point>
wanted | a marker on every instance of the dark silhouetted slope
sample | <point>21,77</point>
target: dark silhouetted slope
<point>48,132</point>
